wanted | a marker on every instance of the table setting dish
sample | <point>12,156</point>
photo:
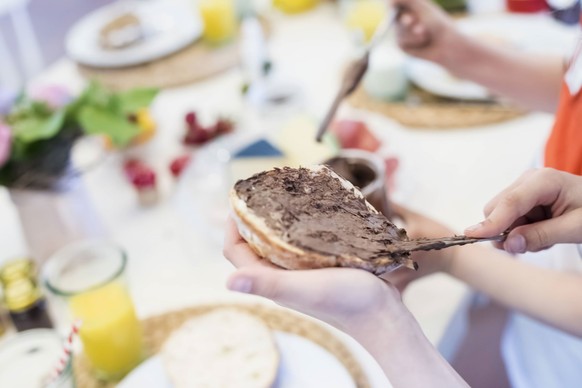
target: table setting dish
<point>303,364</point>
<point>437,80</point>
<point>138,32</point>
<point>286,350</point>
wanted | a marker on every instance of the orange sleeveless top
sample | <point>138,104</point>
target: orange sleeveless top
<point>564,146</point>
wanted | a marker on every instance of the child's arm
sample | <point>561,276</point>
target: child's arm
<point>425,31</point>
<point>550,296</point>
<point>530,80</point>
<point>542,208</point>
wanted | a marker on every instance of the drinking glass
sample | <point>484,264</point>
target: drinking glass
<point>89,275</point>
<point>219,17</point>
<point>363,17</point>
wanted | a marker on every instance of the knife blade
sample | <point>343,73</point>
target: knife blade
<point>355,73</point>
<point>428,244</point>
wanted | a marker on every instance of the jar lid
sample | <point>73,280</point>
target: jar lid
<point>21,294</point>
<point>17,269</point>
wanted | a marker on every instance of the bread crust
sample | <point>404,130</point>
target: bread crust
<point>268,245</point>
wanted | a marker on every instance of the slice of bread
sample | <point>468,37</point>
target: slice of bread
<point>278,210</point>
<point>226,348</point>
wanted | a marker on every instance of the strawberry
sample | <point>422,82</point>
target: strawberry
<point>197,136</point>
<point>355,134</point>
<point>179,164</point>
<point>144,179</point>
<point>131,167</point>
<point>223,126</point>
<point>191,119</point>
<point>139,174</point>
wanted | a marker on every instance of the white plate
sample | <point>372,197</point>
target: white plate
<point>173,25</point>
<point>303,365</point>
<point>528,33</point>
<point>437,80</point>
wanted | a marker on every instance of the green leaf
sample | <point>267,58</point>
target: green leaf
<point>27,108</point>
<point>19,151</point>
<point>95,94</point>
<point>96,120</point>
<point>34,128</point>
<point>135,99</point>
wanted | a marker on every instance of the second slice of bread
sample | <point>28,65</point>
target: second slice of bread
<point>226,348</point>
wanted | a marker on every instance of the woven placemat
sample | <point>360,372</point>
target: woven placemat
<point>194,63</point>
<point>157,329</point>
<point>421,109</point>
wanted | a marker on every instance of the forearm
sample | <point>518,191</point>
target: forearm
<point>406,356</point>
<point>544,294</point>
<point>528,79</point>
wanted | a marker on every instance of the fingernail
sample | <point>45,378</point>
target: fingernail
<point>515,244</point>
<point>474,228</point>
<point>241,284</point>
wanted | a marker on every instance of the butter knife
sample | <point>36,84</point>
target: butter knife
<point>355,73</point>
<point>428,244</point>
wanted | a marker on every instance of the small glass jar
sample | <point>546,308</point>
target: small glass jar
<point>386,77</point>
<point>17,269</point>
<point>22,296</point>
<point>26,305</point>
<point>30,358</point>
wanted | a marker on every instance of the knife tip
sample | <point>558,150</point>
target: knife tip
<point>321,131</point>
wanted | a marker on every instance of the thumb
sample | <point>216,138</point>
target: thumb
<point>270,283</point>
<point>541,235</point>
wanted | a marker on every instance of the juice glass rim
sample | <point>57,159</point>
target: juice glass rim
<point>50,267</point>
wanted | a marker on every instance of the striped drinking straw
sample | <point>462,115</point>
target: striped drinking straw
<point>66,353</point>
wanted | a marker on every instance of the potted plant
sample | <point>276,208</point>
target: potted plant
<point>36,141</point>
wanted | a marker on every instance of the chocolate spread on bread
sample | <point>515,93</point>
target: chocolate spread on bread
<point>313,211</point>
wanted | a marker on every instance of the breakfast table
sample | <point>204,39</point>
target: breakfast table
<point>446,174</point>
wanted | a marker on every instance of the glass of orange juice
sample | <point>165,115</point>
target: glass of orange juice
<point>364,16</point>
<point>295,6</point>
<point>89,275</point>
<point>220,20</point>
